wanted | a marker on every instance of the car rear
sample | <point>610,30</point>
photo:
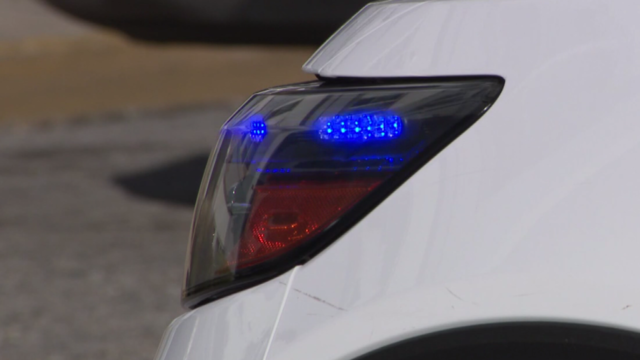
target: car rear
<point>459,182</point>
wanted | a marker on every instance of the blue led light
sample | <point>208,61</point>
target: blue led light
<point>274,171</point>
<point>387,158</point>
<point>258,128</point>
<point>359,127</point>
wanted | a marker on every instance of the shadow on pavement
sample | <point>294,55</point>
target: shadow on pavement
<point>176,182</point>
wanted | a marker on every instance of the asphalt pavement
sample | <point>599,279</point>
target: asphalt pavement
<point>93,231</point>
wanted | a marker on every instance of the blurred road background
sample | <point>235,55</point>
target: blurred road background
<point>102,145</point>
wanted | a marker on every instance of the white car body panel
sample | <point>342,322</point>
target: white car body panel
<point>531,215</point>
<point>239,326</point>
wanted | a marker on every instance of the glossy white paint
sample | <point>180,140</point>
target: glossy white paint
<point>236,327</point>
<point>515,38</point>
<point>532,214</point>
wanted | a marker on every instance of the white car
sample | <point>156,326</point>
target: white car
<point>462,182</point>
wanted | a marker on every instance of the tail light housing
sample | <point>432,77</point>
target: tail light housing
<point>299,165</point>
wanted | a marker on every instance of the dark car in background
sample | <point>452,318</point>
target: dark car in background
<point>222,21</point>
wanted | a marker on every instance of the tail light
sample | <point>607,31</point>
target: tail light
<point>297,166</point>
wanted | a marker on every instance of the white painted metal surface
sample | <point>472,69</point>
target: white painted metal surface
<point>532,214</point>
<point>236,327</point>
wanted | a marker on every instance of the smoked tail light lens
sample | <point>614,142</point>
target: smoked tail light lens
<point>297,166</point>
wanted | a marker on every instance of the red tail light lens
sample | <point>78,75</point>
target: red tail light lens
<point>297,166</point>
<point>284,215</point>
